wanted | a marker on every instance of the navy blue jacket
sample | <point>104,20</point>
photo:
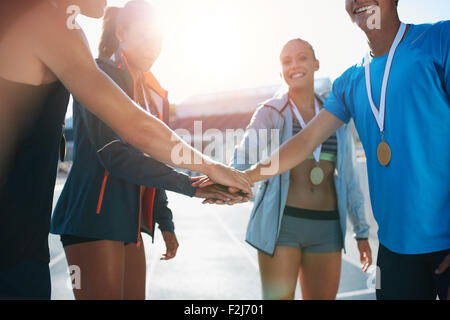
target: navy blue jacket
<point>107,207</point>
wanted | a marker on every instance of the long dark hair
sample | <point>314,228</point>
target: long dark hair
<point>115,16</point>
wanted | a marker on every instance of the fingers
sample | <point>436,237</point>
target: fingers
<point>221,202</point>
<point>241,180</point>
<point>171,245</point>
<point>214,192</point>
<point>224,191</point>
<point>370,259</point>
<point>237,195</point>
<point>171,251</point>
<point>366,261</point>
<point>168,256</point>
<point>246,183</point>
<point>195,179</point>
<point>233,190</point>
<point>213,201</point>
<point>365,254</point>
<point>203,183</point>
<point>219,195</point>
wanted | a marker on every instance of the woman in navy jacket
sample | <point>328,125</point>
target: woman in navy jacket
<point>114,191</point>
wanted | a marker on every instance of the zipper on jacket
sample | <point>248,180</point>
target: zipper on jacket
<point>102,192</point>
<point>266,184</point>
<point>138,242</point>
<point>149,193</point>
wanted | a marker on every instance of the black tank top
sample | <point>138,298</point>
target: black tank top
<point>27,184</point>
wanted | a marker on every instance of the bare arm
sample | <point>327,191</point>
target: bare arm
<point>298,148</point>
<point>66,54</point>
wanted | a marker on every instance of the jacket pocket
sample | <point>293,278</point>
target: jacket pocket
<point>102,192</point>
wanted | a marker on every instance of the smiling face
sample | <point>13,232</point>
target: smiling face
<point>298,64</point>
<point>362,10</point>
<point>141,41</point>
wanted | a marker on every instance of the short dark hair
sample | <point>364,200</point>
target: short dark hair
<point>396,3</point>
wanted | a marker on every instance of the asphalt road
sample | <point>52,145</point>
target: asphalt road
<point>213,260</point>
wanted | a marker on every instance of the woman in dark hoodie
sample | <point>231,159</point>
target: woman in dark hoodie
<point>114,191</point>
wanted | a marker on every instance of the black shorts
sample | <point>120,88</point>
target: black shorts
<point>411,276</point>
<point>68,240</point>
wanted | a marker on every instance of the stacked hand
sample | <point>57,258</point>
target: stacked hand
<point>227,176</point>
<point>217,193</point>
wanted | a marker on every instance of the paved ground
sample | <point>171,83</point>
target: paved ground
<point>213,261</point>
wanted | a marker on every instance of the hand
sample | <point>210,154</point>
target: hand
<point>230,177</point>
<point>205,181</point>
<point>201,181</point>
<point>217,193</point>
<point>234,195</point>
<point>365,254</point>
<point>443,266</point>
<point>220,202</point>
<point>171,245</point>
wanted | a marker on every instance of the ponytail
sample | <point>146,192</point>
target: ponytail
<point>133,10</point>
<point>109,43</point>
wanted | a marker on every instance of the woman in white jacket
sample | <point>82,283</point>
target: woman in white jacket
<point>298,222</point>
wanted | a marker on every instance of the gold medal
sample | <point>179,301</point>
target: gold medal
<point>384,153</point>
<point>316,175</point>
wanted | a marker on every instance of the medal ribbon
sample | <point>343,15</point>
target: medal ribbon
<point>379,114</point>
<point>316,152</point>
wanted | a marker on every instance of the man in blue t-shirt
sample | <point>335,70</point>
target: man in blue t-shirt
<point>399,99</point>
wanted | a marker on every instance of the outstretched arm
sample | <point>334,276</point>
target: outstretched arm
<point>66,54</point>
<point>298,148</point>
<point>290,154</point>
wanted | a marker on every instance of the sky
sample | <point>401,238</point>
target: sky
<point>221,45</point>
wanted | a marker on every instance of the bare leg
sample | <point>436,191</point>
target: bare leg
<point>279,273</point>
<point>101,265</point>
<point>319,275</point>
<point>135,270</point>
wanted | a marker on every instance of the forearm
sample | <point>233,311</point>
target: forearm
<point>98,93</point>
<point>291,153</point>
<point>296,149</point>
<point>135,126</point>
<point>130,164</point>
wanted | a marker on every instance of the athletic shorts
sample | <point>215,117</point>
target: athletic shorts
<point>68,240</point>
<point>312,235</point>
<point>411,276</point>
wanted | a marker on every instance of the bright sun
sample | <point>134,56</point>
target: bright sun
<point>209,45</point>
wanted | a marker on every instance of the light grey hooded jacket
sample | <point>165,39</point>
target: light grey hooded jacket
<point>270,198</point>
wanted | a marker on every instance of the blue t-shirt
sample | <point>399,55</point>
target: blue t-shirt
<point>411,196</point>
